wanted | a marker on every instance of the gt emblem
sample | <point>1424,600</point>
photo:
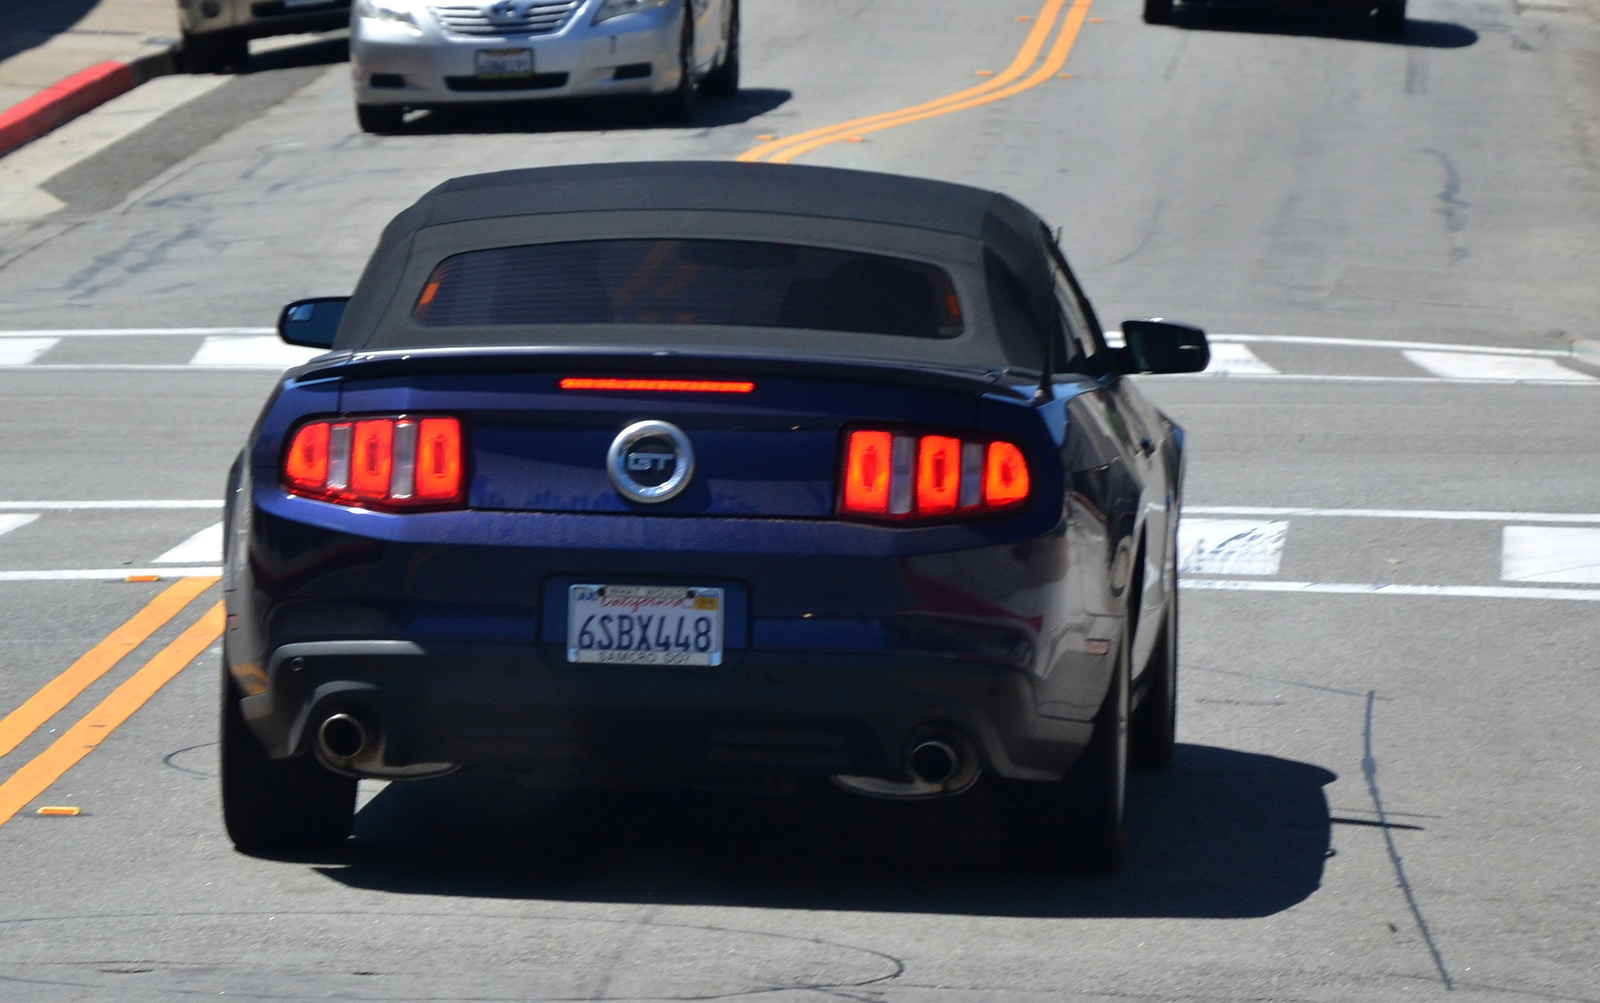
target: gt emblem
<point>650,461</point>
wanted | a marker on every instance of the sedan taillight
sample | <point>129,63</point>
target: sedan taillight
<point>903,476</point>
<point>383,462</point>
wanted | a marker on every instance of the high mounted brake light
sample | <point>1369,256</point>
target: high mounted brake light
<point>679,386</point>
<point>381,462</point>
<point>906,477</point>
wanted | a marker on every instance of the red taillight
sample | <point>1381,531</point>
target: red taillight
<point>866,473</point>
<point>305,466</point>
<point>902,476</point>
<point>1005,480</point>
<point>378,462</point>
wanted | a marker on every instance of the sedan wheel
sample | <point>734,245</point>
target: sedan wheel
<point>678,106</point>
<point>278,806</point>
<point>1079,823</point>
<point>723,82</point>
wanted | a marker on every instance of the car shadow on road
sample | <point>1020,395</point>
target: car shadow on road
<point>1219,833</point>
<point>591,115</point>
<point>24,26</point>
<point>1320,24</point>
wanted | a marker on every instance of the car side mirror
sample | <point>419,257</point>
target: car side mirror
<point>1162,346</point>
<point>312,323</point>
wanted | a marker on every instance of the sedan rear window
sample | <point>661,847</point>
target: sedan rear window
<point>714,282</point>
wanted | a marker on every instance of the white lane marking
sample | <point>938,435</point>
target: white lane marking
<point>116,367</point>
<point>1475,366</point>
<point>205,545</point>
<point>22,351</point>
<point>23,171</point>
<point>252,350</point>
<point>1232,360</point>
<point>70,506</point>
<point>1578,380</point>
<point>107,574</point>
<point>1359,589</point>
<point>1442,515</point>
<point>1426,346</point>
<point>135,332</point>
<point>1230,546</point>
<point>1550,554</point>
<point>17,521</point>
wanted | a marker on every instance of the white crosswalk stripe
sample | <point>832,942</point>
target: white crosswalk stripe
<point>1232,359</point>
<point>259,351</point>
<point>1230,546</point>
<point>21,351</point>
<point>1469,366</point>
<point>1561,554</point>
<point>15,520</point>
<point>205,545</point>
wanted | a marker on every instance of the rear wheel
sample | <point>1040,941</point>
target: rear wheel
<point>678,106</point>
<point>1153,729</point>
<point>278,806</point>
<point>723,82</point>
<point>382,119</point>
<point>215,50</point>
<point>1078,823</point>
<point>1157,11</point>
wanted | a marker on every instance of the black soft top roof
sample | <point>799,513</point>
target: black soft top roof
<point>476,210</point>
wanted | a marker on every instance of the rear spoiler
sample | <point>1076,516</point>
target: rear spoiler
<point>367,365</point>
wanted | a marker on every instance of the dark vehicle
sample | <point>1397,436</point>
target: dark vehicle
<point>1382,18</point>
<point>217,33</point>
<point>715,475</point>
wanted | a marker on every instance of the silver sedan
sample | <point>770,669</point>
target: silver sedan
<point>415,54</point>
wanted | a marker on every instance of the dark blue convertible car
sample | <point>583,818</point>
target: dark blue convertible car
<point>716,475</point>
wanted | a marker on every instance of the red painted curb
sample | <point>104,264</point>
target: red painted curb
<point>62,102</point>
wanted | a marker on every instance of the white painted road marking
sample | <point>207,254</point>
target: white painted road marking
<point>205,545</point>
<point>1360,589</point>
<point>1550,554</point>
<point>1230,360</point>
<point>136,332</point>
<point>16,521</point>
<point>265,351</point>
<point>1442,515</point>
<point>1230,546</point>
<point>1426,346</point>
<point>22,351</point>
<point>107,574</point>
<point>1471,366</point>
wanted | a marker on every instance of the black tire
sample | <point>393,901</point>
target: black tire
<point>723,82</point>
<point>1389,19</point>
<point>1153,728</point>
<point>215,51</point>
<point>1079,823</point>
<point>381,119</point>
<point>278,807</point>
<point>1157,11</point>
<point>678,106</point>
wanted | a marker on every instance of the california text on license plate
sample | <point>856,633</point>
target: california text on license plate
<point>644,624</point>
<point>505,62</point>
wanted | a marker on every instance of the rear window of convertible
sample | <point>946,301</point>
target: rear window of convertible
<point>716,282</point>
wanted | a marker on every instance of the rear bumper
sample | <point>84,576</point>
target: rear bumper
<point>523,708</point>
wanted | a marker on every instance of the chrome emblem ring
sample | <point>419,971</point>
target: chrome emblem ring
<point>650,462</point>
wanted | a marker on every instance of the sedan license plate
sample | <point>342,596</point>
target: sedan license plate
<point>494,63</point>
<point>644,625</point>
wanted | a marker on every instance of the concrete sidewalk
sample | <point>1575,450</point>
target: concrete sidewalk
<point>45,41</point>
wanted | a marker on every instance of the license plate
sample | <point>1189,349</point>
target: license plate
<point>505,62</point>
<point>644,625</point>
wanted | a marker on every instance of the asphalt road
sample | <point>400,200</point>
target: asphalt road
<point>1388,779</point>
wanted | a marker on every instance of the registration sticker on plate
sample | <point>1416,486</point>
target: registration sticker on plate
<point>644,624</point>
<point>505,62</point>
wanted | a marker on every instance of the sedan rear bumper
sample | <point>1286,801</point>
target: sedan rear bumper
<point>523,708</point>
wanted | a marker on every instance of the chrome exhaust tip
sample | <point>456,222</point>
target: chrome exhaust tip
<point>934,762</point>
<point>342,738</point>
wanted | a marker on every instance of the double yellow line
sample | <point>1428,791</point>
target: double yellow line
<point>35,777</point>
<point>1015,79</point>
